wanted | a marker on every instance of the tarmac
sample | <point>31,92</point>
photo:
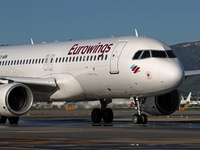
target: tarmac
<point>50,130</point>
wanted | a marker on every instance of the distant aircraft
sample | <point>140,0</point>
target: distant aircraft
<point>139,68</point>
<point>187,101</point>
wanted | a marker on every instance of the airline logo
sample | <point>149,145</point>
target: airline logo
<point>88,49</point>
<point>135,68</point>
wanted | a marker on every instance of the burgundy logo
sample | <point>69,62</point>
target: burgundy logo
<point>88,49</point>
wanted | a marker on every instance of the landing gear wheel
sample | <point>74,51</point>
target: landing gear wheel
<point>137,119</point>
<point>13,120</point>
<point>107,115</point>
<point>144,118</point>
<point>96,115</point>
<point>3,119</point>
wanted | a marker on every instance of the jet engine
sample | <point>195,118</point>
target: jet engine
<point>162,105</point>
<point>15,99</point>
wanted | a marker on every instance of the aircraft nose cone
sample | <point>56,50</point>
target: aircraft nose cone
<point>171,75</point>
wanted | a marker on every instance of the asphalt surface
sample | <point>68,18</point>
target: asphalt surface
<point>47,130</point>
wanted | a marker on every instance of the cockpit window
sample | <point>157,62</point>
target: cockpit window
<point>159,54</point>
<point>145,54</point>
<point>142,54</point>
<point>137,55</point>
<point>171,54</point>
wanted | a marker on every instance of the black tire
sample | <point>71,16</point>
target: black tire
<point>3,119</point>
<point>108,115</point>
<point>13,120</point>
<point>96,115</point>
<point>144,118</point>
<point>137,119</point>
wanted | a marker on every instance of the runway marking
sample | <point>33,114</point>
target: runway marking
<point>140,143</point>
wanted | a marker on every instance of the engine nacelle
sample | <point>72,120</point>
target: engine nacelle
<point>162,105</point>
<point>15,99</point>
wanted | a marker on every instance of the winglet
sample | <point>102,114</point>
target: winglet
<point>189,97</point>
<point>32,41</point>
<point>136,33</point>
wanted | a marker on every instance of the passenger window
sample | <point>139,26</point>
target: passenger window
<point>70,59</point>
<point>80,58</point>
<point>88,58</point>
<point>106,57</point>
<point>66,59</point>
<point>24,61</point>
<point>102,57</point>
<point>30,61</point>
<point>95,57</point>
<point>73,59</point>
<point>145,54</point>
<point>158,54</point>
<point>51,60</point>
<point>91,58</point>
<point>46,60</point>
<point>33,61</point>
<point>8,63</point>
<point>42,60</point>
<point>83,58</point>
<point>77,58</point>
<point>137,55</point>
<point>36,61</point>
<point>63,59</point>
<point>56,60</point>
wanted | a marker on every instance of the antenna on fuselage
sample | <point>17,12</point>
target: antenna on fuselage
<point>32,41</point>
<point>136,33</point>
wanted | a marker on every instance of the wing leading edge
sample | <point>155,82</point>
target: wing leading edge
<point>35,84</point>
<point>191,73</point>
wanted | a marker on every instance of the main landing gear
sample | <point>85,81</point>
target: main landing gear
<point>104,113</point>
<point>12,120</point>
<point>139,118</point>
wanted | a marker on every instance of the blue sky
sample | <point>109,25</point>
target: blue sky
<point>171,21</point>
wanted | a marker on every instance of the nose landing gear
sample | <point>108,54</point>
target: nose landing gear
<point>139,118</point>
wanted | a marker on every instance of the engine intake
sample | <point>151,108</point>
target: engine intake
<point>15,99</point>
<point>162,105</point>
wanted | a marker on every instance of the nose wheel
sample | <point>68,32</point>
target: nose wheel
<point>139,118</point>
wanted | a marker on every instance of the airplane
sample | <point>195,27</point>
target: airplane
<point>135,67</point>
<point>187,101</point>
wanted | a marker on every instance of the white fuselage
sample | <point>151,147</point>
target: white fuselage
<point>115,74</point>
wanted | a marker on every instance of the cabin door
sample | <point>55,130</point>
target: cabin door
<point>115,57</point>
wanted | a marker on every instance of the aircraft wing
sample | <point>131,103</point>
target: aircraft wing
<point>35,84</point>
<point>192,73</point>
